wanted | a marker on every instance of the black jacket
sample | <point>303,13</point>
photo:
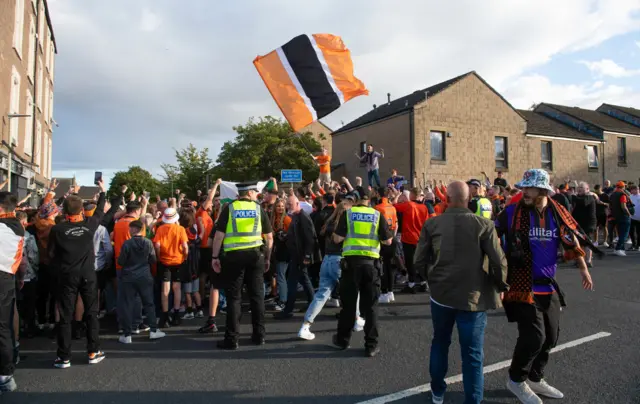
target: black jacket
<point>320,219</point>
<point>136,257</point>
<point>71,244</point>
<point>302,242</point>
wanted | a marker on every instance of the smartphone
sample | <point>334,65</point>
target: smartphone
<point>147,195</point>
<point>97,177</point>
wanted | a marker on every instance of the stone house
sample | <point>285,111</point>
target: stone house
<point>462,127</point>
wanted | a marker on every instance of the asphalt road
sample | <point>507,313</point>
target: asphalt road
<point>186,367</point>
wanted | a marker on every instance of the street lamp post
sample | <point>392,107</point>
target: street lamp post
<point>10,146</point>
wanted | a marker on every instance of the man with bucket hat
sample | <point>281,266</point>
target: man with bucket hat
<point>535,228</point>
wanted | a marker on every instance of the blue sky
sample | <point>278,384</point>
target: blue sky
<point>137,78</point>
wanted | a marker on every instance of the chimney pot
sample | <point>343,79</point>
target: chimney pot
<point>374,106</point>
<point>388,98</point>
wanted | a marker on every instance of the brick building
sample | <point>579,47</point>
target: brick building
<point>27,58</point>
<point>321,132</point>
<point>461,127</point>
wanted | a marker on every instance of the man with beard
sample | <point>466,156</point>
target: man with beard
<point>535,228</point>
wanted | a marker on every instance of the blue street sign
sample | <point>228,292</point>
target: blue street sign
<point>291,176</point>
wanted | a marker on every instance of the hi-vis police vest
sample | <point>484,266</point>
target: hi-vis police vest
<point>244,228</point>
<point>362,233</point>
<point>484,209</point>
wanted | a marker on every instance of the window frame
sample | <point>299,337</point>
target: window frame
<point>443,156</point>
<point>37,152</point>
<point>546,164</point>
<point>31,59</point>
<point>505,149</point>
<point>14,105</point>
<point>28,130</point>
<point>595,151</point>
<point>45,101</point>
<point>39,84</point>
<point>623,141</point>
<point>18,28</point>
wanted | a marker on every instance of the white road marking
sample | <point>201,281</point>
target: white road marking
<point>487,369</point>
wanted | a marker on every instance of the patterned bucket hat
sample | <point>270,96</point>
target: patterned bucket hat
<point>536,178</point>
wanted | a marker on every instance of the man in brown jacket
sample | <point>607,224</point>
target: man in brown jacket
<point>459,255</point>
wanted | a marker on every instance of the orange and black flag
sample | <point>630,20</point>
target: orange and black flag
<point>309,77</point>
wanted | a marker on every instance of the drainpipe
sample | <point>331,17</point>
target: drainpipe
<point>604,168</point>
<point>35,94</point>
<point>412,147</point>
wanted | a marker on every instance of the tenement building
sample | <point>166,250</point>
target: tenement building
<point>27,59</point>
<point>462,127</point>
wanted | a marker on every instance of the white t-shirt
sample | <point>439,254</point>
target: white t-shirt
<point>306,206</point>
<point>636,202</point>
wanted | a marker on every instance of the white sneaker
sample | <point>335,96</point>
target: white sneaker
<point>544,389</point>
<point>384,298</point>
<point>124,340</point>
<point>437,400</point>
<point>333,303</point>
<point>157,334</point>
<point>392,297</point>
<point>523,392</point>
<point>305,333</point>
<point>359,325</point>
<point>620,253</point>
<point>605,244</point>
<point>188,316</point>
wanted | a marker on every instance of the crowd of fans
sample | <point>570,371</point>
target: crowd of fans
<point>150,263</point>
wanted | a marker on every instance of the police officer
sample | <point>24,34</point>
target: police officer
<point>478,204</point>
<point>362,229</point>
<point>241,228</point>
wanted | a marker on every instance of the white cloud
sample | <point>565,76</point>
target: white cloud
<point>140,95</point>
<point>609,68</point>
<point>150,21</point>
<point>535,88</point>
<point>638,44</point>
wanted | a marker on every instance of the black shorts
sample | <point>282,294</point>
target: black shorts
<point>169,273</point>
<point>205,261</point>
<point>602,220</point>
<point>103,277</point>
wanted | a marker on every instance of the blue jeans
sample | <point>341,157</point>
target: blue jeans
<point>281,280</point>
<point>623,224</point>
<point>329,276</point>
<point>373,175</point>
<point>471,335</point>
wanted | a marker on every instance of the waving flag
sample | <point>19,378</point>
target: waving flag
<point>309,77</point>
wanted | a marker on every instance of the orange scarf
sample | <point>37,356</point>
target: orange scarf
<point>7,215</point>
<point>75,218</point>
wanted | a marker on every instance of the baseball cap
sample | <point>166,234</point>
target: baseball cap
<point>474,182</point>
<point>620,184</point>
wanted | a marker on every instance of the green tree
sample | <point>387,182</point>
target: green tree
<point>137,180</point>
<point>262,148</point>
<point>189,173</point>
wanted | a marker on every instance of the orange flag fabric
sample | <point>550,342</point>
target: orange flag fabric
<point>309,77</point>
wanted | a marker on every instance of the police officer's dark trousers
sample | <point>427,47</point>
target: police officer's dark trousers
<point>70,284</point>
<point>244,267</point>
<point>359,275</point>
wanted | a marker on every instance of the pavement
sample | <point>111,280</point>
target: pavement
<point>186,367</point>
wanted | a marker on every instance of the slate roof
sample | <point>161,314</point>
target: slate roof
<point>87,193</point>
<point>63,186</point>
<point>399,105</point>
<point>602,121</point>
<point>628,110</point>
<point>539,124</point>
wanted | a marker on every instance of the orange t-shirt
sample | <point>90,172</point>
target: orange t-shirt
<point>389,213</point>
<point>207,221</point>
<point>171,237</point>
<point>325,164</point>
<point>413,217</point>
<point>121,234</point>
